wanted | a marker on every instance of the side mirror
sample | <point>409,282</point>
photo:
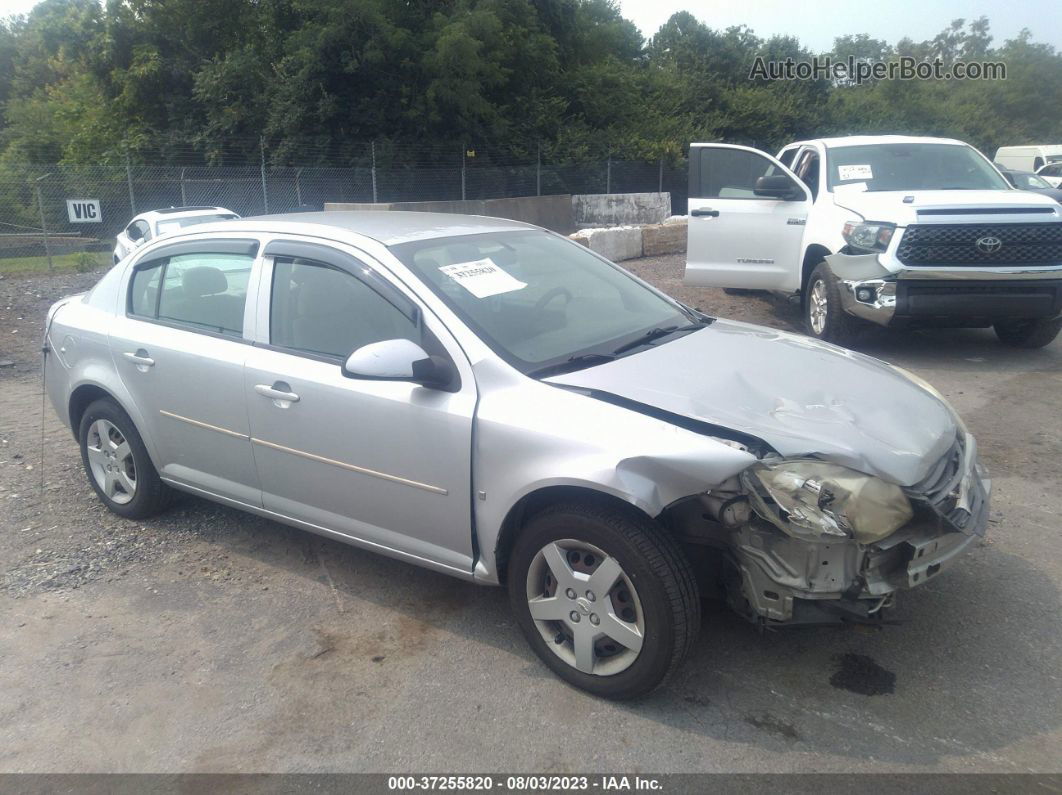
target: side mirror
<point>399,360</point>
<point>777,186</point>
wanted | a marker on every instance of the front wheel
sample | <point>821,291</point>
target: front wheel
<point>605,599</point>
<point>1028,333</point>
<point>823,316</point>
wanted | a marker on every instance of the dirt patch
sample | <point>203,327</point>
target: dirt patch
<point>666,273</point>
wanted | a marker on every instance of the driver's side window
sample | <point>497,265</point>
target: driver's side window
<point>321,310</point>
<point>724,173</point>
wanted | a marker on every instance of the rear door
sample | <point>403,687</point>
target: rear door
<point>736,237</point>
<point>179,347</point>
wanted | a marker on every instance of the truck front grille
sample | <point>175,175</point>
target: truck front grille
<point>981,244</point>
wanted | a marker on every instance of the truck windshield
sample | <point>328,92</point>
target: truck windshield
<point>542,303</point>
<point>878,167</point>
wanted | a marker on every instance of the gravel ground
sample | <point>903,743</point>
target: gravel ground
<point>210,640</point>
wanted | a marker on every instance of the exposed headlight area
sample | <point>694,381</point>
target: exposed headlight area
<point>868,237</point>
<point>808,541</point>
<point>814,499</point>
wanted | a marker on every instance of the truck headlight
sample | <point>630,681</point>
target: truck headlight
<point>812,499</point>
<point>871,236</point>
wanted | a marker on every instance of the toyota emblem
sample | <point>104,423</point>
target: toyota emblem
<point>989,244</point>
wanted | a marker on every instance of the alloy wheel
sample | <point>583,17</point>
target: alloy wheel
<point>585,607</point>
<point>111,461</point>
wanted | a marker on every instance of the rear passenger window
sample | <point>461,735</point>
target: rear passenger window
<point>206,291</point>
<point>322,310</point>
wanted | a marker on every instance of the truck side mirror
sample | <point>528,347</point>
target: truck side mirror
<point>777,186</point>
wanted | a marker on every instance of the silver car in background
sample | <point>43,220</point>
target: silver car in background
<point>490,400</point>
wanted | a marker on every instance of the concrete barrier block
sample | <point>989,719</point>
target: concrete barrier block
<point>615,243</point>
<point>666,238</point>
<point>582,237</point>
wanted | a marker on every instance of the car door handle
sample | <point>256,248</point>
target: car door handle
<point>705,211</point>
<point>273,393</point>
<point>140,358</point>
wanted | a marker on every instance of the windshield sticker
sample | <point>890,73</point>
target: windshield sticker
<point>854,172</point>
<point>850,187</point>
<point>482,278</point>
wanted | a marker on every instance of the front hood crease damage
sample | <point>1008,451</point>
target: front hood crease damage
<point>747,383</point>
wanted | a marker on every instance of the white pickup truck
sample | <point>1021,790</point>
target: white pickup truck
<point>893,230</point>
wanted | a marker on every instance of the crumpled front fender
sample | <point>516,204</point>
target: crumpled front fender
<point>530,436</point>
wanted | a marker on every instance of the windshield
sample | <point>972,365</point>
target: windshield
<point>539,300</point>
<point>877,167</point>
<point>172,224</point>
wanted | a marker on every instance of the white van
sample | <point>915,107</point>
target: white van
<point>1028,158</point>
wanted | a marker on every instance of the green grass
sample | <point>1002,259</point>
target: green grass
<point>63,263</point>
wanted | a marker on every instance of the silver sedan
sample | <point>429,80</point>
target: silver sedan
<point>490,400</point>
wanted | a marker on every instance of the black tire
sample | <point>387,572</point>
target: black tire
<point>839,327</point>
<point>150,495</point>
<point>1028,333</point>
<point>657,570</point>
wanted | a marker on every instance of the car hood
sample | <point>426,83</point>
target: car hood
<point>801,396</point>
<point>891,205</point>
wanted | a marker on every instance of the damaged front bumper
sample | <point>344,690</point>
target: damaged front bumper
<point>777,577</point>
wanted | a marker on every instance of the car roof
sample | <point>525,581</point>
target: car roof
<point>389,227</point>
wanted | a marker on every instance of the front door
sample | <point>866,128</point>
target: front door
<point>385,463</point>
<point>737,238</point>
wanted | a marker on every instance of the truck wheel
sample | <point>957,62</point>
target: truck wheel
<point>605,599</point>
<point>1028,333</point>
<point>823,316</point>
<point>117,463</point>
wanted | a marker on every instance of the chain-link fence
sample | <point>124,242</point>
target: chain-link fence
<point>61,217</point>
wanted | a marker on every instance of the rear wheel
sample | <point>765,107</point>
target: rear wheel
<point>1028,333</point>
<point>824,318</point>
<point>605,599</point>
<point>117,463</point>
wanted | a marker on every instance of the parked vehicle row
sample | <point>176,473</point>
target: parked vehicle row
<point>896,231</point>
